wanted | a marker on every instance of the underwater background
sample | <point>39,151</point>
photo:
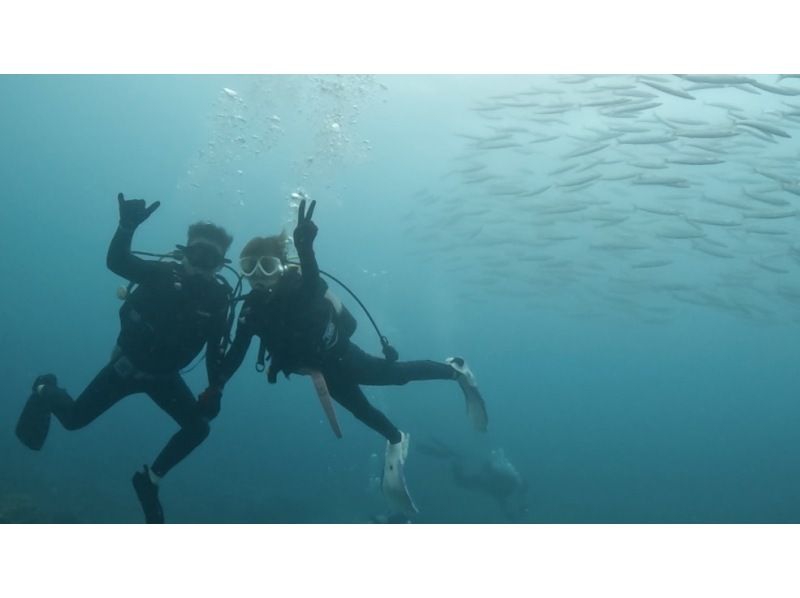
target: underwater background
<point>616,257</point>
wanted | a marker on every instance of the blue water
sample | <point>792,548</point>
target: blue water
<point>609,413</point>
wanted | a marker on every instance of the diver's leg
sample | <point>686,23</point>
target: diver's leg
<point>351,397</point>
<point>174,397</point>
<point>107,388</point>
<point>376,371</point>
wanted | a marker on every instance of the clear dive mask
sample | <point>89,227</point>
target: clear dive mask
<point>266,265</point>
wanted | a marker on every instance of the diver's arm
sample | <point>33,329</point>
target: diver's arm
<point>119,259</point>
<point>209,401</point>
<point>234,357</point>
<point>215,351</point>
<point>304,234</point>
<point>309,268</point>
<point>220,368</point>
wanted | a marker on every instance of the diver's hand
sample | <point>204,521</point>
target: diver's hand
<point>208,402</point>
<point>306,231</point>
<point>133,212</point>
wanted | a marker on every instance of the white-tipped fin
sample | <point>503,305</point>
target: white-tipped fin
<point>394,481</point>
<point>476,408</point>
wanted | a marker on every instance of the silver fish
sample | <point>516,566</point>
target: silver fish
<point>562,169</point>
<point>784,91</point>
<point>725,106</point>
<point>772,215</point>
<point>760,230</point>
<point>718,79</point>
<point>706,133</point>
<point>701,246</point>
<point>729,203</point>
<point>635,93</point>
<point>651,165</point>
<point>679,93</point>
<point>712,221</point>
<point>775,176</point>
<point>646,139</point>
<point>618,246</point>
<point>652,264</point>
<point>535,192</point>
<point>632,108</point>
<point>585,151</point>
<point>544,139</point>
<point>692,122</point>
<point>770,267</point>
<point>606,103</point>
<point>658,210</point>
<point>773,201</point>
<point>792,187</point>
<point>580,181</point>
<point>563,209</point>
<point>665,181</point>
<point>764,128</point>
<point>695,161</point>
<point>680,233</point>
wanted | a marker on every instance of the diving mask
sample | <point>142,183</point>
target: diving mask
<point>266,265</point>
<point>204,256</point>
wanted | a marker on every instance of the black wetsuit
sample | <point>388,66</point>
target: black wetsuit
<point>301,328</point>
<point>165,323</point>
<point>508,490</point>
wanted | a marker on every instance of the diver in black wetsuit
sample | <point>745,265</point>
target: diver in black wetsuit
<point>306,330</point>
<point>498,478</point>
<point>495,476</point>
<point>176,310</point>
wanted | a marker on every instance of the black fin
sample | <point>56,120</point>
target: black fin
<point>34,422</point>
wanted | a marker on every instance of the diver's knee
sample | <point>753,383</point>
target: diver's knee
<point>203,429</point>
<point>402,376</point>
<point>398,378</point>
<point>74,423</point>
<point>72,419</point>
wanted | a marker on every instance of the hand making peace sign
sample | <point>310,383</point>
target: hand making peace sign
<point>306,230</point>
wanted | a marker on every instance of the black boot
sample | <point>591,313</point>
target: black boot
<point>34,421</point>
<point>147,492</point>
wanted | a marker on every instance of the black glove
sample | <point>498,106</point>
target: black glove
<point>134,211</point>
<point>208,403</point>
<point>306,230</point>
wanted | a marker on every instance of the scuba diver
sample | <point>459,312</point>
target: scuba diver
<point>495,477</point>
<point>176,310</point>
<point>498,478</point>
<point>306,330</point>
